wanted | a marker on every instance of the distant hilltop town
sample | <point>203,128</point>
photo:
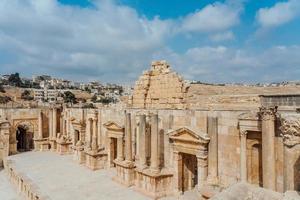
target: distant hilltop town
<point>47,89</point>
<point>17,91</point>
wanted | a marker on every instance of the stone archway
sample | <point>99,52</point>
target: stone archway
<point>190,158</point>
<point>24,136</point>
<point>27,131</point>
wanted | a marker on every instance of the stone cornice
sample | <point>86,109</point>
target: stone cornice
<point>268,113</point>
<point>290,130</point>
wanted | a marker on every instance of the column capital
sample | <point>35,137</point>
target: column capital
<point>243,133</point>
<point>268,113</point>
<point>290,131</point>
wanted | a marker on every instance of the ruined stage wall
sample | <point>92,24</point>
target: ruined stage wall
<point>228,135</point>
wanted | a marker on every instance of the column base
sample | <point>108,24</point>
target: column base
<point>125,173</point>
<point>207,191</point>
<point>63,148</point>
<point>41,144</point>
<point>154,184</point>
<point>53,144</point>
<point>95,160</point>
<point>79,154</point>
<point>13,148</point>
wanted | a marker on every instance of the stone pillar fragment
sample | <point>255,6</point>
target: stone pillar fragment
<point>268,116</point>
<point>50,116</point>
<point>243,156</point>
<point>88,133</point>
<point>142,141</point>
<point>40,121</point>
<point>212,130</point>
<point>154,143</point>
<point>94,137</point>
<point>54,123</point>
<point>202,166</point>
<point>120,154</point>
<point>128,138</point>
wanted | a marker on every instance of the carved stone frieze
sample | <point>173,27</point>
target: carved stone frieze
<point>290,130</point>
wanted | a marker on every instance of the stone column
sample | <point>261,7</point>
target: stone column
<point>120,154</point>
<point>202,165</point>
<point>268,116</point>
<point>142,141</point>
<point>99,135</point>
<point>177,159</point>
<point>243,156</point>
<point>154,143</point>
<point>54,123</point>
<point>88,133</point>
<point>212,129</point>
<point>68,123</point>
<point>63,126</point>
<point>40,120</point>
<point>128,144</point>
<point>94,137</point>
<point>50,116</point>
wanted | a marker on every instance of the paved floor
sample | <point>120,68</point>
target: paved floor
<point>7,190</point>
<point>60,178</point>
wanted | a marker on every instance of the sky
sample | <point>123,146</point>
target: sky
<point>225,41</point>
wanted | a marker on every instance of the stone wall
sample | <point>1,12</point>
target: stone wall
<point>159,87</point>
<point>280,100</point>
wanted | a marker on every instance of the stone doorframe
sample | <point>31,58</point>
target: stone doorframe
<point>114,130</point>
<point>248,122</point>
<point>80,126</point>
<point>185,140</point>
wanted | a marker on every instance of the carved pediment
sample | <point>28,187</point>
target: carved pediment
<point>110,125</point>
<point>187,135</point>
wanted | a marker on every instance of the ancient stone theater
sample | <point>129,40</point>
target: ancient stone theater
<point>167,140</point>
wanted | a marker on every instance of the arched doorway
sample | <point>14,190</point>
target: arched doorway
<point>24,136</point>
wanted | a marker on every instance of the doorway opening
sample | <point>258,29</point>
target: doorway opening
<point>113,149</point>
<point>24,139</point>
<point>76,137</point>
<point>188,174</point>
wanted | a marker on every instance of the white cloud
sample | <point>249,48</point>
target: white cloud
<point>219,37</point>
<point>213,17</point>
<point>223,64</point>
<point>53,38</point>
<point>280,13</point>
<point>113,43</point>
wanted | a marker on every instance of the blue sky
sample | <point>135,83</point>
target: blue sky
<point>116,40</point>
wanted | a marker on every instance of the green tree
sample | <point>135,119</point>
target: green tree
<point>69,97</point>
<point>2,90</point>
<point>94,98</point>
<point>106,100</point>
<point>90,105</point>
<point>15,80</point>
<point>26,95</point>
<point>4,99</point>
